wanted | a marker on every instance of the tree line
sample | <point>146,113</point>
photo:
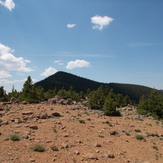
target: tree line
<point>104,98</point>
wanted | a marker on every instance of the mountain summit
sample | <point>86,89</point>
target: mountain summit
<point>66,80</point>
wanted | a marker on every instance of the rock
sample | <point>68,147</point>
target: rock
<point>98,145</point>
<point>54,100</point>
<point>113,133</point>
<point>24,102</point>
<point>61,102</point>
<point>33,127</point>
<point>1,109</point>
<point>26,134</point>
<point>152,134</point>
<point>27,113</point>
<point>65,145</point>
<point>31,160</point>
<point>44,116</point>
<point>77,152</point>
<point>55,114</point>
<point>110,155</point>
<point>89,156</point>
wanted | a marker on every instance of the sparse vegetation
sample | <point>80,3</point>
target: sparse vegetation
<point>155,147</point>
<point>38,148</point>
<point>137,130</point>
<point>139,137</point>
<point>82,121</point>
<point>14,137</point>
<point>54,148</point>
<point>1,121</point>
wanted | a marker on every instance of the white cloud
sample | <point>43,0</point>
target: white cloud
<point>59,62</point>
<point>5,74</point>
<point>5,81</point>
<point>71,25</point>
<point>8,62</point>
<point>9,4</point>
<point>49,71</point>
<point>77,64</point>
<point>99,22</point>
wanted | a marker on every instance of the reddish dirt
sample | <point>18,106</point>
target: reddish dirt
<point>100,139</point>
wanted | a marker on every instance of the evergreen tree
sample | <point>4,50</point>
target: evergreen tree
<point>110,106</point>
<point>152,105</point>
<point>3,96</point>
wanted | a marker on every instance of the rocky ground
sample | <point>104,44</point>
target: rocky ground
<point>77,135</point>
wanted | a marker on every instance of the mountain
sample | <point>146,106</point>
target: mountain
<point>66,80</point>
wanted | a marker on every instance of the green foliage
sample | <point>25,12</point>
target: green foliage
<point>49,94</point>
<point>1,121</point>
<point>110,107</point>
<point>54,148</point>
<point>31,93</point>
<point>155,147</point>
<point>137,130</point>
<point>82,121</point>
<point>139,137</point>
<point>14,94</point>
<point>14,137</point>
<point>97,98</point>
<point>3,96</point>
<point>65,80</point>
<point>38,148</point>
<point>152,105</point>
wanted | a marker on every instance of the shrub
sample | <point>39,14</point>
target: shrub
<point>110,107</point>
<point>38,148</point>
<point>137,130</point>
<point>155,147</point>
<point>54,148</point>
<point>81,121</point>
<point>139,137</point>
<point>1,121</point>
<point>14,137</point>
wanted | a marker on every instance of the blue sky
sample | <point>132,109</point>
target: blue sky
<point>103,40</point>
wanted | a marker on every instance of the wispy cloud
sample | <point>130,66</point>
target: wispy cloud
<point>59,62</point>
<point>48,71</point>
<point>71,25</point>
<point>84,55</point>
<point>143,44</point>
<point>77,64</point>
<point>9,4</point>
<point>99,22</point>
<point>5,74</point>
<point>6,81</point>
<point>8,62</point>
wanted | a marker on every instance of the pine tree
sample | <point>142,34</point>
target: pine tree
<point>110,106</point>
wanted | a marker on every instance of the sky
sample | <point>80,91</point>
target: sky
<point>117,41</point>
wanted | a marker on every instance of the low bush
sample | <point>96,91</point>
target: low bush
<point>38,148</point>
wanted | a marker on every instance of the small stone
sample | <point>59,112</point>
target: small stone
<point>111,156</point>
<point>27,113</point>
<point>97,145</point>
<point>31,160</point>
<point>55,114</point>
<point>65,145</point>
<point>77,152</point>
<point>113,133</point>
<point>33,127</point>
<point>89,156</point>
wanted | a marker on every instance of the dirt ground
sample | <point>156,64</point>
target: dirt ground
<point>81,135</point>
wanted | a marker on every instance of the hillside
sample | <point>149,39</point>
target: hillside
<point>78,135</point>
<point>66,80</point>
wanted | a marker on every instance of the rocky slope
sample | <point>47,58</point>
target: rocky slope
<point>80,135</point>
